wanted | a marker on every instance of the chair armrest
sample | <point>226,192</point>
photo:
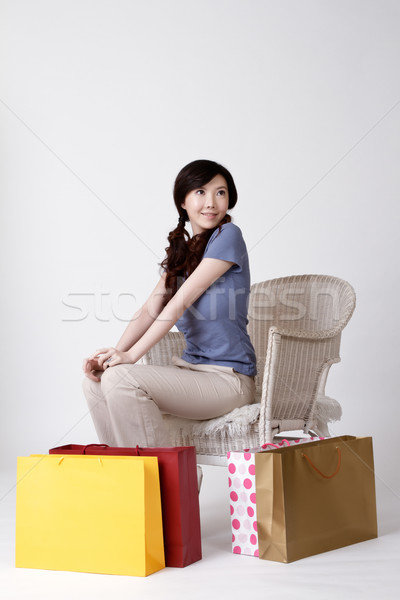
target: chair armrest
<point>294,368</point>
<point>309,334</point>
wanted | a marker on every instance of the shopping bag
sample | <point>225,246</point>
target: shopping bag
<point>88,513</point>
<point>315,497</point>
<point>179,496</point>
<point>242,493</point>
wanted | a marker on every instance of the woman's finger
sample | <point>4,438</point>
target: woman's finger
<point>104,358</point>
<point>92,375</point>
<point>107,363</point>
<point>87,365</point>
<point>100,351</point>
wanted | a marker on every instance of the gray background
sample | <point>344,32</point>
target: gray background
<point>101,104</point>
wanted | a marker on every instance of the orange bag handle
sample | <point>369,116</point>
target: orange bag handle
<point>320,472</point>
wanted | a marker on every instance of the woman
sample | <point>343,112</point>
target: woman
<point>204,290</point>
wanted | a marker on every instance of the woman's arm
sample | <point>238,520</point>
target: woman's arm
<point>138,325</point>
<point>207,272</point>
<point>143,318</point>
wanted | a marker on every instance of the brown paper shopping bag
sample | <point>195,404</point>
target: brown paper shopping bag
<point>315,497</point>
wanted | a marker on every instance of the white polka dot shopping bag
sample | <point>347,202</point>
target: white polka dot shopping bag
<point>242,493</point>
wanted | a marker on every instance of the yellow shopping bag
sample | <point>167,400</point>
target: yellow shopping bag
<point>97,514</point>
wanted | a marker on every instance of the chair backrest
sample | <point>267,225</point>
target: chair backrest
<point>318,305</point>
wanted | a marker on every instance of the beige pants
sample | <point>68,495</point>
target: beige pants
<point>127,404</point>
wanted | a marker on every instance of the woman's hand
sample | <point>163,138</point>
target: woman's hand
<point>92,369</point>
<point>109,357</point>
<point>96,364</point>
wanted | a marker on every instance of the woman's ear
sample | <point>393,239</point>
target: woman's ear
<point>183,205</point>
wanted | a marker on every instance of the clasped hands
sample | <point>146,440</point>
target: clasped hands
<point>103,358</point>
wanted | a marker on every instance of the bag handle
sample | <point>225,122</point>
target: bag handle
<point>62,458</point>
<point>93,445</point>
<point>320,472</point>
<point>105,446</point>
<point>282,443</point>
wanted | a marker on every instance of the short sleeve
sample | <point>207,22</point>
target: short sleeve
<point>227,244</point>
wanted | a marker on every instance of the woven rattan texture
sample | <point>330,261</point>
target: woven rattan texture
<point>295,325</point>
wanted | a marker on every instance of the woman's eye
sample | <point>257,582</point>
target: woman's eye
<point>221,193</point>
<point>199,192</point>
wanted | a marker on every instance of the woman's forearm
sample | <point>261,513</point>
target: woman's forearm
<point>139,324</point>
<point>153,321</point>
<point>205,274</point>
<point>143,318</point>
<point>158,329</point>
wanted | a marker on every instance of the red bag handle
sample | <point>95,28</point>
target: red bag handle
<point>94,445</point>
<point>278,445</point>
<point>104,446</point>
<point>320,472</point>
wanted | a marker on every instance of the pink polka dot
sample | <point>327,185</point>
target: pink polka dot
<point>256,553</point>
<point>228,454</point>
<point>234,496</point>
<point>231,468</point>
<point>240,510</point>
<point>230,482</point>
<point>247,456</point>
<point>252,469</point>
<point>237,483</point>
<point>242,469</point>
<point>247,551</point>
<point>243,538</point>
<point>235,524</point>
<point>253,539</point>
<point>247,524</point>
<point>247,483</point>
<point>255,526</point>
<point>233,537</point>
<point>252,498</point>
<point>232,509</point>
<point>237,550</point>
<point>246,449</point>
<point>250,511</point>
<point>243,497</point>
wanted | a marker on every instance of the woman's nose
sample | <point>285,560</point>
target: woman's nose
<point>209,201</point>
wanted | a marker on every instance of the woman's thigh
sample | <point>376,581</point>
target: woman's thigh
<point>201,392</point>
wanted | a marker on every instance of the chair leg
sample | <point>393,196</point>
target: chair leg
<point>199,477</point>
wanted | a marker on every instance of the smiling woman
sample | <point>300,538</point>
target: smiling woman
<point>204,290</point>
<point>207,206</point>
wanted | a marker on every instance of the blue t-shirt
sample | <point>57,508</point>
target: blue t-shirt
<point>215,326</point>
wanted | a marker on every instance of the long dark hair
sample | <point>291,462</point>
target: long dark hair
<point>184,253</point>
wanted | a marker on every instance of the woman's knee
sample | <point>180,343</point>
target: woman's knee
<point>91,389</point>
<point>115,379</point>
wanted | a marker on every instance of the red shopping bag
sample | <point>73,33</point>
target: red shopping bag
<point>179,496</point>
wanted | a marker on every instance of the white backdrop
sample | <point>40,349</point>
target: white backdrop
<point>101,104</point>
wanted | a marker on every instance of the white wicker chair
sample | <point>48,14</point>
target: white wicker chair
<point>295,325</point>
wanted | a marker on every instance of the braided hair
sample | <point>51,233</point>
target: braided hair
<point>184,253</point>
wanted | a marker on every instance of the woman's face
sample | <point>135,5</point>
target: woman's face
<point>206,206</point>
